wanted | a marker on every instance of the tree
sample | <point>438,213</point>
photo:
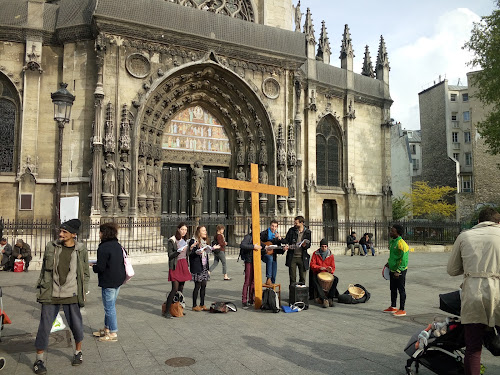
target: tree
<point>400,208</point>
<point>485,45</point>
<point>431,202</point>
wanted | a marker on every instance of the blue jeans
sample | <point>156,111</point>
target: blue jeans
<point>271,267</point>
<point>109,296</point>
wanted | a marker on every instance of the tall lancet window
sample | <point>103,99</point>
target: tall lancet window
<point>328,153</point>
<point>9,116</point>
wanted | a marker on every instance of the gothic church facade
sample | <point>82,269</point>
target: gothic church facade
<point>172,94</point>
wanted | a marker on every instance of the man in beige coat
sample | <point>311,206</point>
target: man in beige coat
<point>476,255</point>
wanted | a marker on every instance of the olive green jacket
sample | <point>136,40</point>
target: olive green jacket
<point>44,284</point>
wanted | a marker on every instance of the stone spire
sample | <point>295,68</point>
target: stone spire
<point>310,38</point>
<point>367,65</point>
<point>346,51</point>
<point>324,50</point>
<point>382,67</point>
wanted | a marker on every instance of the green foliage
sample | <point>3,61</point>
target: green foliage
<point>431,202</point>
<point>485,45</point>
<point>400,208</point>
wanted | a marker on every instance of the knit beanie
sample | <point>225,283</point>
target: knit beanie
<point>323,242</point>
<point>72,226</point>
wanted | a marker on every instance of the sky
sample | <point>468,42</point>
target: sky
<point>423,38</point>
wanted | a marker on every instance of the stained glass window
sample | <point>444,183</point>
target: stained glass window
<point>8,118</point>
<point>328,154</point>
<point>241,9</point>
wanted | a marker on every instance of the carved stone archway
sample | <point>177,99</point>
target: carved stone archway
<point>213,87</point>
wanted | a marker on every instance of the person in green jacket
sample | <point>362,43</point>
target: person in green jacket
<point>63,282</point>
<point>398,265</point>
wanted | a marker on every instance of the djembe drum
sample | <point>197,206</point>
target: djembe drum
<point>325,280</point>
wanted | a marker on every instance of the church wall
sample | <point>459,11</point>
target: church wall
<point>277,13</point>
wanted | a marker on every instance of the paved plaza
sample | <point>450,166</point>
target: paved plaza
<point>345,339</point>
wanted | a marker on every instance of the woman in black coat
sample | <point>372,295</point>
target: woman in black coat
<point>110,268</point>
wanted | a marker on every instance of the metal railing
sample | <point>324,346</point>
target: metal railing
<point>147,235</point>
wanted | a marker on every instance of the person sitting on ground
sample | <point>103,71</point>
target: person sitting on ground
<point>5,254</point>
<point>247,248</point>
<point>22,251</point>
<point>270,235</point>
<point>323,261</point>
<point>352,243</point>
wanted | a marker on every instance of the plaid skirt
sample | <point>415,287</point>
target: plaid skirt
<point>202,276</point>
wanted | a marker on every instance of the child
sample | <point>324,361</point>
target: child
<point>220,254</point>
<point>198,265</point>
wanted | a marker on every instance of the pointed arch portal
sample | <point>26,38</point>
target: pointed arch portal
<point>202,113</point>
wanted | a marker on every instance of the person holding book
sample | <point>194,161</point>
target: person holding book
<point>199,265</point>
<point>220,254</point>
<point>178,271</point>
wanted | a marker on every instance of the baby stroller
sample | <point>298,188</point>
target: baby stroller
<point>441,346</point>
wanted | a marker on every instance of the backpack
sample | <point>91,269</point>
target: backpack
<point>270,301</point>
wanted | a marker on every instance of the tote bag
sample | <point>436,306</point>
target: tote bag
<point>129,270</point>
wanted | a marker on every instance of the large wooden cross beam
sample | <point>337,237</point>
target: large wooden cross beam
<point>255,188</point>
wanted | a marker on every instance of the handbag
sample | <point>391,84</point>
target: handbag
<point>129,270</point>
<point>491,341</point>
<point>222,307</point>
<point>18,265</point>
<point>176,310</point>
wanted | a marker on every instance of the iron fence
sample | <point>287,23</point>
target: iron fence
<point>147,235</point>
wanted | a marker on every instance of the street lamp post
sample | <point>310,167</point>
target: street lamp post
<point>63,101</point>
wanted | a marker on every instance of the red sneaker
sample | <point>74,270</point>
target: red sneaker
<point>391,309</point>
<point>400,313</point>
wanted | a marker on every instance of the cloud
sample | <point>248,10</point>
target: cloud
<point>415,66</point>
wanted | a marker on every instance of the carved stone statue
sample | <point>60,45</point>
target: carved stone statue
<point>291,183</point>
<point>124,174</point>
<point>242,177</point>
<point>150,177</point>
<point>157,178</point>
<point>263,152</point>
<point>251,153</point>
<point>240,156</point>
<point>263,177</point>
<point>108,178</point>
<point>141,176</point>
<point>281,176</point>
<point>298,17</point>
<point>198,177</point>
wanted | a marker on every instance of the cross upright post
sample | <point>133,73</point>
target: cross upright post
<point>254,188</point>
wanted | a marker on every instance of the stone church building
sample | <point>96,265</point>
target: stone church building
<point>171,94</point>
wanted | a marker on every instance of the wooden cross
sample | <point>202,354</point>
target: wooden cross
<point>255,188</point>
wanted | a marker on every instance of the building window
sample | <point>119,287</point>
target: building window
<point>8,120</point>
<point>328,153</point>
<point>456,156</point>
<point>468,158</point>
<point>466,184</point>
<point>454,116</point>
<point>466,116</point>
<point>413,149</point>
<point>415,164</point>
<point>453,97</point>
<point>467,137</point>
<point>465,97</point>
<point>454,137</point>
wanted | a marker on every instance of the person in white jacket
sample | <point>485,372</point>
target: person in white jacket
<point>476,255</point>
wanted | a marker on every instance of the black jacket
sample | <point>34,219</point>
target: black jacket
<point>110,267</point>
<point>291,239</point>
<point>195,261</point>
<point>264,238</point>
<point>246,249</point>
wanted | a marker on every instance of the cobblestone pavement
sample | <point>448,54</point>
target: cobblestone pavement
<point>345,339</point>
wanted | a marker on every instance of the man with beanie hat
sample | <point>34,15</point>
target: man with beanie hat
<point>63,281</point>
<point>323,261</point>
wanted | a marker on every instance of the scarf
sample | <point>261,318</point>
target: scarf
<point>270,235</point>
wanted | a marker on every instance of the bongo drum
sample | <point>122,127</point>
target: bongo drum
<point>325,280</point>
<point>386,272</point>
